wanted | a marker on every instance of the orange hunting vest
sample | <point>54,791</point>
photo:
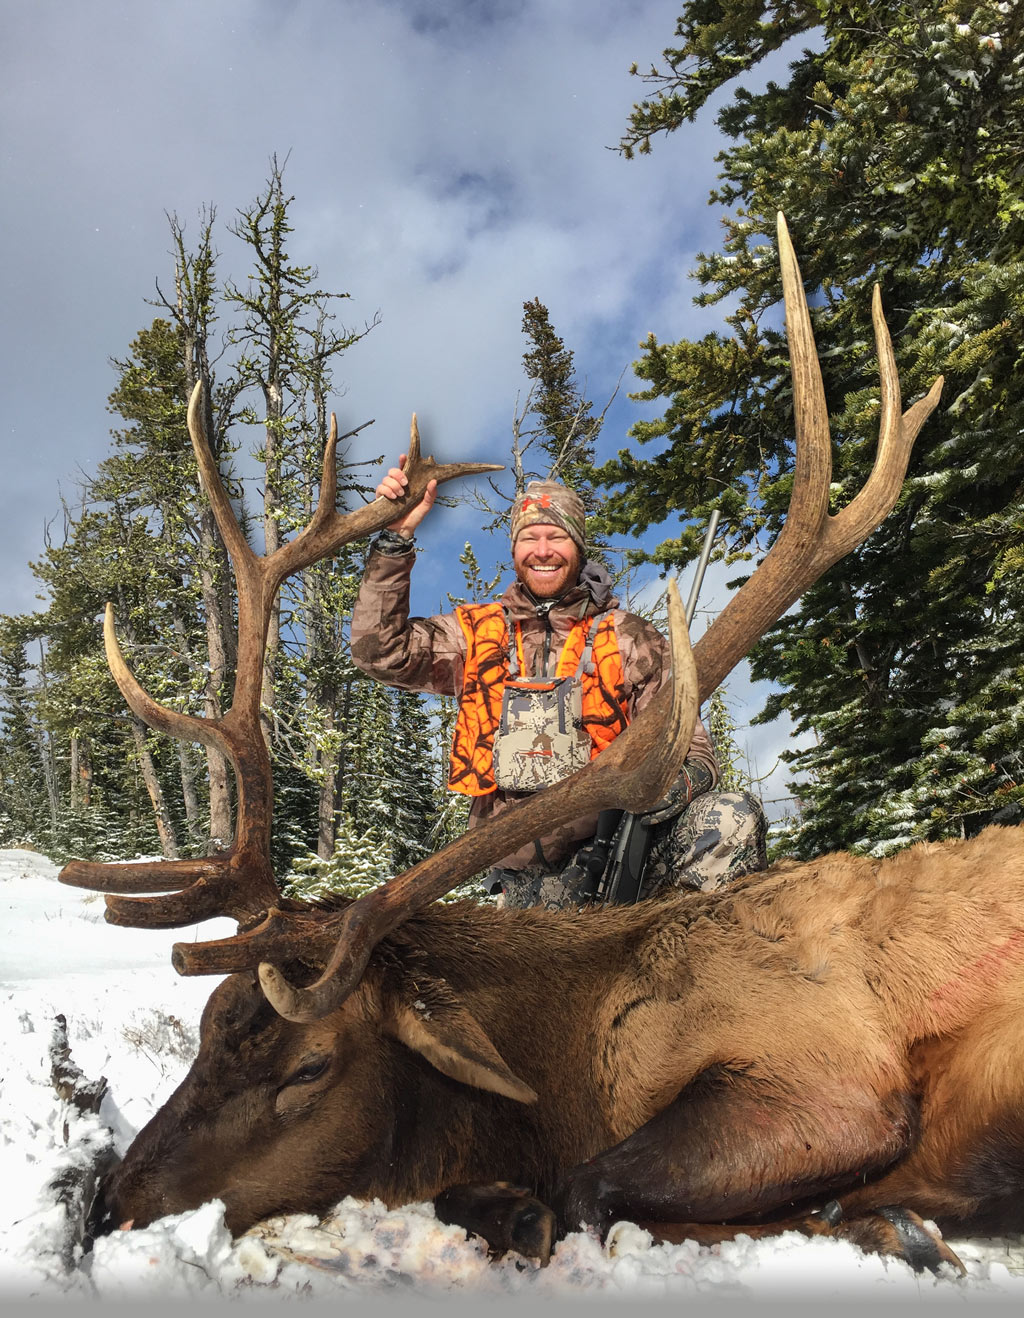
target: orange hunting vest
<point>487,670</point>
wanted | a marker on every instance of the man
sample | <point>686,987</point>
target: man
<point>556,634</point>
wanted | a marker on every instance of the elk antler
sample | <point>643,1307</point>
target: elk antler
<point>810,542</point>
<point>632,773</point>
<point>240,882</point>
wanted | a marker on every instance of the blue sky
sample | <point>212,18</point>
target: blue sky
<point>449,160</point>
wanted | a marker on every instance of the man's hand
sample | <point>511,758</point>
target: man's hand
<point>393,487</point>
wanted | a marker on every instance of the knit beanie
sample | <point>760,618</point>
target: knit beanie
<point>552,504</point>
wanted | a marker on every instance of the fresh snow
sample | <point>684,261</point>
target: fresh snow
<point>131,1019</point>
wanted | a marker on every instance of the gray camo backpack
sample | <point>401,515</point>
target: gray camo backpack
<point>541,738</point>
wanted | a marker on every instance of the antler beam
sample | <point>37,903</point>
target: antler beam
<point>811,540</point>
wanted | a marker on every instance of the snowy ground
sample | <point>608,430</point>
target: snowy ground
<point>131,1019</point>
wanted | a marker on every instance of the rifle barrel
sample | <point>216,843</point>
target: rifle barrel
<point>702,563</point>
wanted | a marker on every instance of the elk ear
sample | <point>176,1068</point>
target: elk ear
<point>435,1024</point>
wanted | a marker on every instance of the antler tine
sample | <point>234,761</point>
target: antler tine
<point>157,716</point>
<point>895,440</point>
<point>328,480</point>
<point>328,529</point>
<point>811,541</point>
<point>808,504</point>
<point>633,773</point>
<point>239,550</point>
<point>238,882</point>
<point>235,882</point>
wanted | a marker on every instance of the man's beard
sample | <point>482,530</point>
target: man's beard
<point>522,576</point>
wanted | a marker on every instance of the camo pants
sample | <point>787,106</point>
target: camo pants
<point>718,837</point>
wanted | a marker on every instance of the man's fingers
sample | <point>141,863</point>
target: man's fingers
<point>394,483</point>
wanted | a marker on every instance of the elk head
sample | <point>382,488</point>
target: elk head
<point>304,1075</point>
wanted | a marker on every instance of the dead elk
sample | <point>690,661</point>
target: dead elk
<point>844,1030</point>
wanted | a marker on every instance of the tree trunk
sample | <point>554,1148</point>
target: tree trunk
<point>272,503</point>
<point>326,758</point>
<point>215,609</point>
<point>218,765</point>
<point>193,286</point>
<point>80,773</point>
<point>190,795</point>
<point>85,773</point>
<point>186,761</point>
<point>45,744</point>
<point>164,823</point>
<point>73,773</point>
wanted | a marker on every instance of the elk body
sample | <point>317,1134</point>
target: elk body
<point>841,1029</point>
<point>715,1057</point>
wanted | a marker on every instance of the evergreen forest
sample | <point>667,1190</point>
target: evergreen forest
<point>895,148</point>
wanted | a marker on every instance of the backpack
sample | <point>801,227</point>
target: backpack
<point>541,737</point>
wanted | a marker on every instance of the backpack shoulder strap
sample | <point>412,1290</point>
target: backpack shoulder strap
<point>586,663</point>
<point>514,640</point>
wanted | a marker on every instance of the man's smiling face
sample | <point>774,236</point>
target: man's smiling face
<point>546,559</point>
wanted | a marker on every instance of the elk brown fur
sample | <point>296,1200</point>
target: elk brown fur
<point>845,1029</point>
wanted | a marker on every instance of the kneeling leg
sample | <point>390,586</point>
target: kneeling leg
<point>733,1146</point>
<point>891,1231</point>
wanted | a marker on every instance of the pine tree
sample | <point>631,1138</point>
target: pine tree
<point>152,470</point>
<point>357,865</point>
<point>564,421</point>
<point>410,780</point>
<point>286,347</point>
<point>193,312</point>
<point>451,809</point>
<point>322,604</point>
<point>722,729</point>
<point>144,538</point>
<point>554,432</point>
<point>365,788</point>
<point>892,152</point>
<point>24,798</point>
<point>108,554</point>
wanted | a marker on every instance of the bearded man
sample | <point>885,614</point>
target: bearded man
<point>556,640</point>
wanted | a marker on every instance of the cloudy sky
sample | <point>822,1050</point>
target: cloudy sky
<point>449,159</point>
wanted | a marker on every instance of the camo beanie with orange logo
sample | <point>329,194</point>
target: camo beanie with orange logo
<point>551,504</point>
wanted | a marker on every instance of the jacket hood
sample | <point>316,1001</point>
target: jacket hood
<point>591,594</point>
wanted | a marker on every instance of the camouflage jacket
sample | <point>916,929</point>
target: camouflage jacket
<point>428,654</point>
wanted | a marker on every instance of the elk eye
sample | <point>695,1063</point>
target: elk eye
<point>309,1072</point>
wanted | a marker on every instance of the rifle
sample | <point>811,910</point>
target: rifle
<point>616,858</point>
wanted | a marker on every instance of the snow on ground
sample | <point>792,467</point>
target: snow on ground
<point>131,1019</point>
